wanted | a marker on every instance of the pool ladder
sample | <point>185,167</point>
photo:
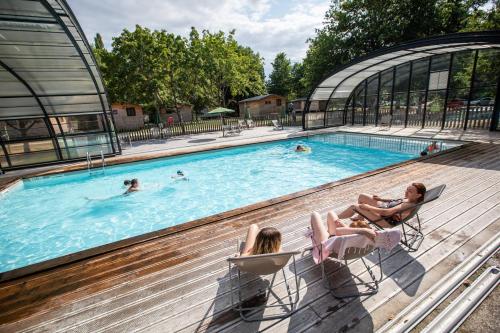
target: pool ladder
<point>90,164</point>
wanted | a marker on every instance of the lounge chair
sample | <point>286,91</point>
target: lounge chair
<point>228,130</point>
<point>335,249</point>
<point>386,121</point>
<point>277,125</point>
<point>264,264</point>
<point>250,123</point>
<point>413,237</point>
<point>241,124</point>
<point>236,129</point>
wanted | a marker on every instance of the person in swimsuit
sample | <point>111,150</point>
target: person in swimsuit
<point>336,228</point>
<point>134,186</point>
<point>302,149</point>
<point>393,211</point>
<point>263,241</point>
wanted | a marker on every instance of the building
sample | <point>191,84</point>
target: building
<point>127,116</point>
<point>186,111</point>
<point>299,105</point>
<point>263,106</point>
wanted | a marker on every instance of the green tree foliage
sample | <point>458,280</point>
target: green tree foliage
<point>162,70</point>
<point>355,27</point>
<point>298,87</point>
<point>280,79</point>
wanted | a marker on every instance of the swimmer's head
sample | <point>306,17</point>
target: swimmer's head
<point>126,182</point>
<point>134,182</point>
<point>180,173</point>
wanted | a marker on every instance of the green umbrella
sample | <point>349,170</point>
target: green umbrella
<point>220,111</point>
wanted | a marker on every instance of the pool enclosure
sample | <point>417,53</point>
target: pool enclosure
<point>53,105</point>
<point>449,81</point>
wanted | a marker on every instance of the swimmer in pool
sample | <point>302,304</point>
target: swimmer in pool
<point>134,186</point>
<point>179,175</point>
<point>302,149</point>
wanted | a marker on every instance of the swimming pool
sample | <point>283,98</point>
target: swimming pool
<point>48,217</point>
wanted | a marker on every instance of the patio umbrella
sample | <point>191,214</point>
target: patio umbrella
<point>220,111</point>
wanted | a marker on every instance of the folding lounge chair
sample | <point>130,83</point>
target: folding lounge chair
<point>350,253</point>
<point>250,123</point>
<point>241,124</point>
<point>264,264</point>
<point>413,237</point>
<point>277,125</point>
<point>227,130</point>
<point>386,120</point>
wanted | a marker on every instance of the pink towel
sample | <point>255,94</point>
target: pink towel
<point>386,239</point>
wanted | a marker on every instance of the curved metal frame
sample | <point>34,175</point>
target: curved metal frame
<point>474,38</point>
<point>56,17</point>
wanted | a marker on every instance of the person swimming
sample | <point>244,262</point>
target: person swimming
<point>301,148</point>
<point>179,175</point>
<point>134,186</point>
<point>430,149</point>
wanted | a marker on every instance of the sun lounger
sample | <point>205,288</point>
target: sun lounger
<point>228,130</point>
<point>352,247</point>
<point>250,123</point>
<point>412,235</point>
<point>242,125</point>
<point>263,264</point>
<point>386,121</point>
<point>277,125</point>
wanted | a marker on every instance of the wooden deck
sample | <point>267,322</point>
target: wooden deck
<point>179,282</point>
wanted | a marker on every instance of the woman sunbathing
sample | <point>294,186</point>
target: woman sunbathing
<point>337,228</point>
<point>263,241</point>
<point>388,212</point>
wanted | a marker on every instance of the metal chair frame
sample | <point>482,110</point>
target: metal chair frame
<point>292,304</point>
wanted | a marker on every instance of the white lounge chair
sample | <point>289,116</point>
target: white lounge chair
<point>241,124</point>
<point>277,125</point>
<point>250,123</point>
<point>386,121</point>
<point>264,264</point>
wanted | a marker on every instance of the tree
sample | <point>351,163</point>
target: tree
<point>280,79</point>
<point>355,27</point>
<point>298,88</point>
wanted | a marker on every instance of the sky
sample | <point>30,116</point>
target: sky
<point>267,26</point>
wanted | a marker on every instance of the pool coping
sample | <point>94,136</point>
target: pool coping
<point>74,258</point>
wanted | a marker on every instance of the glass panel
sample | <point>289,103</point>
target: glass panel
<point>461,69</point>
<point>440,63</point>
<point>359,104</point>
<point>435,106</point>
<point>487,69</point>
<point>419,77</point>
<point>373,85</point>
<point>22,129</point>
<point>79,124</point>
<point>416,107</point>
<point>24,8</point>
<point>399,108</point>
<point>438,80</point>
<point>386,82</point>
<point>371,108</point>
<point>402,76</point>
<point>456,108</point>
<point>79,152</point>
<point>31,152</point>
<point>481,107</point>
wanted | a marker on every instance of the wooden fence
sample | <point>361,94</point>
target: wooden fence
<point>194,127</point>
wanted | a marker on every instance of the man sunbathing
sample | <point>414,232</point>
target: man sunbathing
<point>388,212</point>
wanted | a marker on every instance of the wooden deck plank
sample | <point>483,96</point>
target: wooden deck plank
<point>151,276</point>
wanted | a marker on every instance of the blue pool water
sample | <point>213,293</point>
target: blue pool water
<point>48,217</point>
